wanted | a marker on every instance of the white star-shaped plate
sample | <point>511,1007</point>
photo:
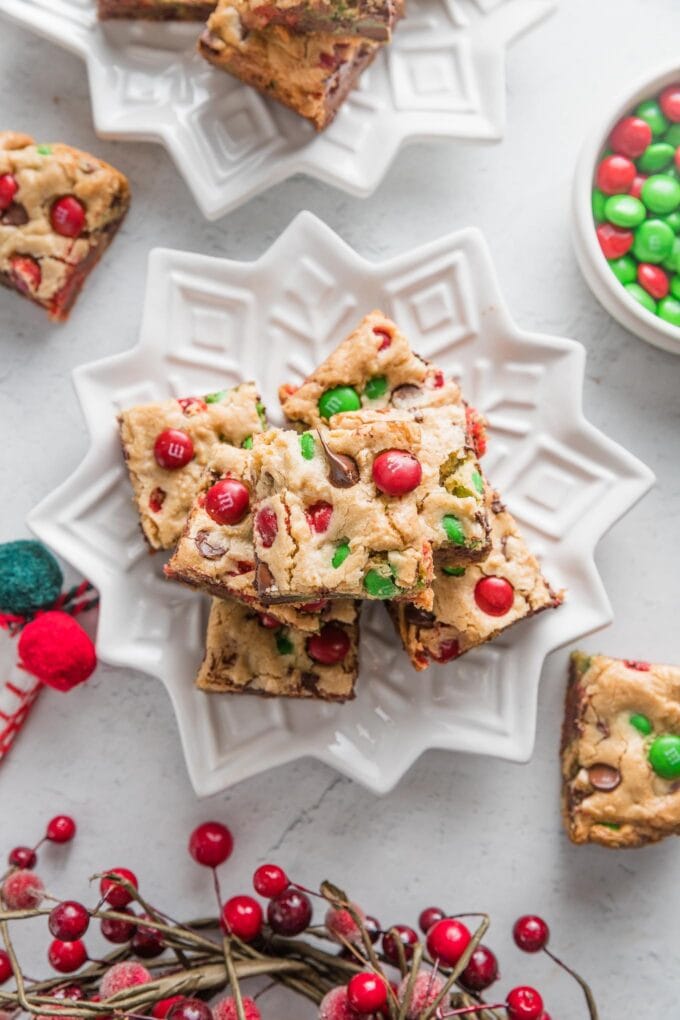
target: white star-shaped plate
<point>442,77</point>
<point>210,322</point>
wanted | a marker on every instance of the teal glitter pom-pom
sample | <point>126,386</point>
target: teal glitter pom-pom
<point>30,577</point>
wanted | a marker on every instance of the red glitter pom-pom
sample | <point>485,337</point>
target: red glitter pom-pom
<point>56,649</point>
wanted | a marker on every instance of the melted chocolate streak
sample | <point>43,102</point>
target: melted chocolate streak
<point>343,472</point>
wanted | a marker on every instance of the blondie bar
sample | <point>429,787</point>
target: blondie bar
<point>475,603</point>
<point>168,445</point>
<point>373,19</point>
<point>157,10</point>
<point>246,656</point>
<point>621,751</point>
<point>310,74</point>
<point>59,211</point>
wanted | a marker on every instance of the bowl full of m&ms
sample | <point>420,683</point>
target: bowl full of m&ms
<point>626,211</point>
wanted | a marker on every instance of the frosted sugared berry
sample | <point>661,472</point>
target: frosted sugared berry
<point>60,829</point>
<point>447,940</point>
<point>290,912</point>
<point>162,1008</point>
<point>319,516</point>
<point>117,932</point>
<point>26,273</point>
<point>8,189</point>
<point>117,895</point>
<point>494,595</point>
<point>531,933</point>
<point>426,989</point>
<point>173,449</point>
<point>481,971</point>
<point>211,844</point>
<point>5,967</point>
<point>66,957</point>
<point>225,1009</point>
<point>22,857</point>
<point>342,926</point>
<point>23,890</point>
<point>69,921</point>
<point>330,645</point>
<point>73,992</point>
<point>121,976</point>
<point>335,1005</point>
<point>428,917</point>
<point>446,652</point>
<point>367,992</point>
<point>408,938</point>
<point>270,880</point>
<point>67,216</point>
<point>227,501</point>
<point>266,526</point>
<point>524,1003</point>
<point>190,1009</point>
<point>242,917</point>
<point>147,943</point>
<point>396,472</point>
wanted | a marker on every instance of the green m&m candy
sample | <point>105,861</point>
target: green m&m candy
<point>338,399</point>
<point>215,398</point>
<point>641,723</point>
<point>624,211</point>
<point>661,194</point>
<point>653,241</point>
<point>454,529</point>
<point>656,156</point>
<point>453,571</point>
<point>672,136</point>
<point>478,482</point>
<point>377,386</point>
<point>664,756</point>
<point>673,260</point>
<point>380,586</point>
<point>340,555</point>
<point>673,221</point>
<point>598,199</point>
<point>642,297</point>
<point>651,112</point>
<point>624,269</point>
<point>284,645</point>
<point>307,445</point>
<point>675,286</point>
<point>669,310</point>
<point>247,443</point>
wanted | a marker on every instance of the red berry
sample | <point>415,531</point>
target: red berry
<point>269,621</point>
<point>319,516</point>
<point>494,595</point>
<point>367,992</point>
<point>173,449</point>
<point>23,890</point>
<point>267,526</point>
<point>615,174</point>
<point>67,956</point>
<point>447,651</point>
<point>329,646</point>
<point>424,992</point>
<point>242,917</point>
<point>73,992</point>
<point>342,926</point>
<point>22,857</point>
<point>335,1006</point>
<point>192,405</point>
<point>524,1003</point>
<point>5,967</point>
<point>447,940</point>
<point>190,1009</point>
<point>531,933</point>
<point>67,216</point>
<point>227,501</point>
<point>61,829</point>
<point>270,880</point>
<point>290,912</point>
<point>211,844</point>
<point>373,929</point>
<point>636,186</point>
<point>669,101</point>
<point>68,921</point>
<point>385,337</point>
<point>396,472</point>
<point>121,976</point>
<point>147,943</point>
<point>614,241</point>
<point>26,273</point>
<point>408,938</point>
<point>481,971</point>
<point>225,1009</point>
<point>8,189</point>
<point>653,279</point>
<point>630,137</point>
<point>162,1008</point>
<point>428,917</point>
<point>118,932</point>
<point>117,895</point>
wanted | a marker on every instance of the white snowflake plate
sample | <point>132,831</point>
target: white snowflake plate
<point>443,77</point>
<point>210,322</point>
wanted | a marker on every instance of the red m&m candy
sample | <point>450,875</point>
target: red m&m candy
<point>267,526</point>
<point>8,189</point>
<point>615,174</point>
<point>329,646</point>
<point>494,595</point>
<point>631,136</point>
<point>396,472</point>
<point>669,101</point>
<point>614,241</point>
<point>653,279</point>
<point>67,216</point>
<point>319,516</point>
<point>227,501</point>
<point>173,449</point>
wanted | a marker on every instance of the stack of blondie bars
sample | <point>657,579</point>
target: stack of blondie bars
<point>373,491</point>
<point>306,54</point>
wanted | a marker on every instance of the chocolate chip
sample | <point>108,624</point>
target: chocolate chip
<point>309,680</point>
<point>343,472</point>
<point>419,617</point>
<point>15,216</point>
<point>209,545</point>
<point>407,396</point>
<point>604,777</point>
<point>264,578</point>
<point>497,504</point>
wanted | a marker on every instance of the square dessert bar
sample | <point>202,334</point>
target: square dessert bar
<point>215,552</point>
<point>310,74</point>
<point>373,19</point>
<point>59,211</point>
<point>243,656</point>
<point>621,751</point>
<point>475,603</point>
<point>168,445</point>
<point>374,367</point>
<point>157,10</point>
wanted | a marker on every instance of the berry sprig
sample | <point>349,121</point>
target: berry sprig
<point>349,966</point>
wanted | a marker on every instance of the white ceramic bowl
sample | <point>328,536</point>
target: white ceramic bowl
<point>594,267</point>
